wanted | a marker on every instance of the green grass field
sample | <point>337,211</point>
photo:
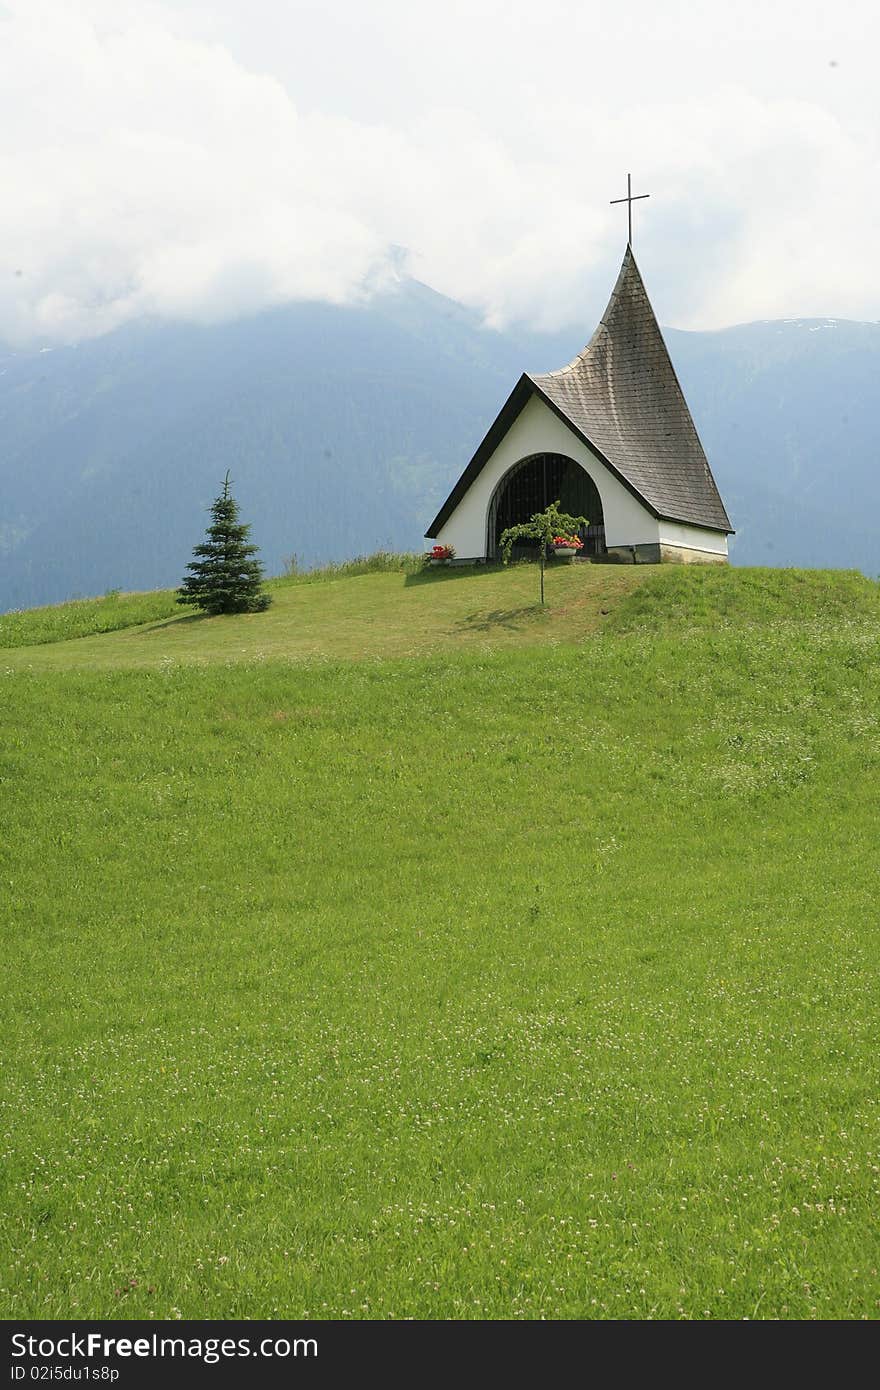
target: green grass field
<point>407,952</point>
<point>352,617</point>
<point>84,617</point>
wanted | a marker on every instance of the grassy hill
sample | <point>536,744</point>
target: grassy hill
<point>405,951</point>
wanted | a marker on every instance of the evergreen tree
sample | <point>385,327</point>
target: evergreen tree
<point>224,576</point>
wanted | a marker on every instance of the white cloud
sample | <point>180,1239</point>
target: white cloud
<point>205,162</point>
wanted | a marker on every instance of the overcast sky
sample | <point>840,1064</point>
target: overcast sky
<point>205,158</point>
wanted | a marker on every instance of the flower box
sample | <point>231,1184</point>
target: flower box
<point>440,555</point>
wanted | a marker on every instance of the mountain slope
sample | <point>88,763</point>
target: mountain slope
<point>339,427</point>
<point>787,411</point>
<point>343,429</point>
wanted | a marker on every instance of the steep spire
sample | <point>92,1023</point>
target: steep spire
<point>622,395</point>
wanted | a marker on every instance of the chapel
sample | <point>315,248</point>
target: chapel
<point>611,438</point>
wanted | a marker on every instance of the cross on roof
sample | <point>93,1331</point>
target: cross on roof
<point>629,200</point>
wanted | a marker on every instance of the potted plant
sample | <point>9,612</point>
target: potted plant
<point>441,555</point>
<point>566,547</point>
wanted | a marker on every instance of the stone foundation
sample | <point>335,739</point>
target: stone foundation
<point>659,553</point>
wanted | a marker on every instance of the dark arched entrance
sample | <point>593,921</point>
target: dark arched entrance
<point>531,485</point>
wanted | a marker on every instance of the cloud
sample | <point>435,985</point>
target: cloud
<point>154,175</point>
<point>153,164</point>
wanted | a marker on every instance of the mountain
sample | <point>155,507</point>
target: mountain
<point>343,428</point>
<point>788,414</point>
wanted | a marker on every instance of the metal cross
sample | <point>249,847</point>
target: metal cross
<point>629,200</point>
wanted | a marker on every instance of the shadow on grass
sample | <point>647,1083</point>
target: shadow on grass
<point>181,620</point>
<point>443,574</point>
<point>510,618</point>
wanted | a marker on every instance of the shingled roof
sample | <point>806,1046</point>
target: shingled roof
<point>622,397</point>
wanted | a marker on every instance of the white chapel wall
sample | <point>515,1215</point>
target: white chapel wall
<point>678,533</point>
<point>537,430</point>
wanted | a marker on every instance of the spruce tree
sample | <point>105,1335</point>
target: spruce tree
<point>224,575</point>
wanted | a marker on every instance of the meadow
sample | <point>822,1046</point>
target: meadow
<point>27,627</point>
<point>406,951</point>
<point>88,617</point>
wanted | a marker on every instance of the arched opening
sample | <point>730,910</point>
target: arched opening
<point>531,485</point>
